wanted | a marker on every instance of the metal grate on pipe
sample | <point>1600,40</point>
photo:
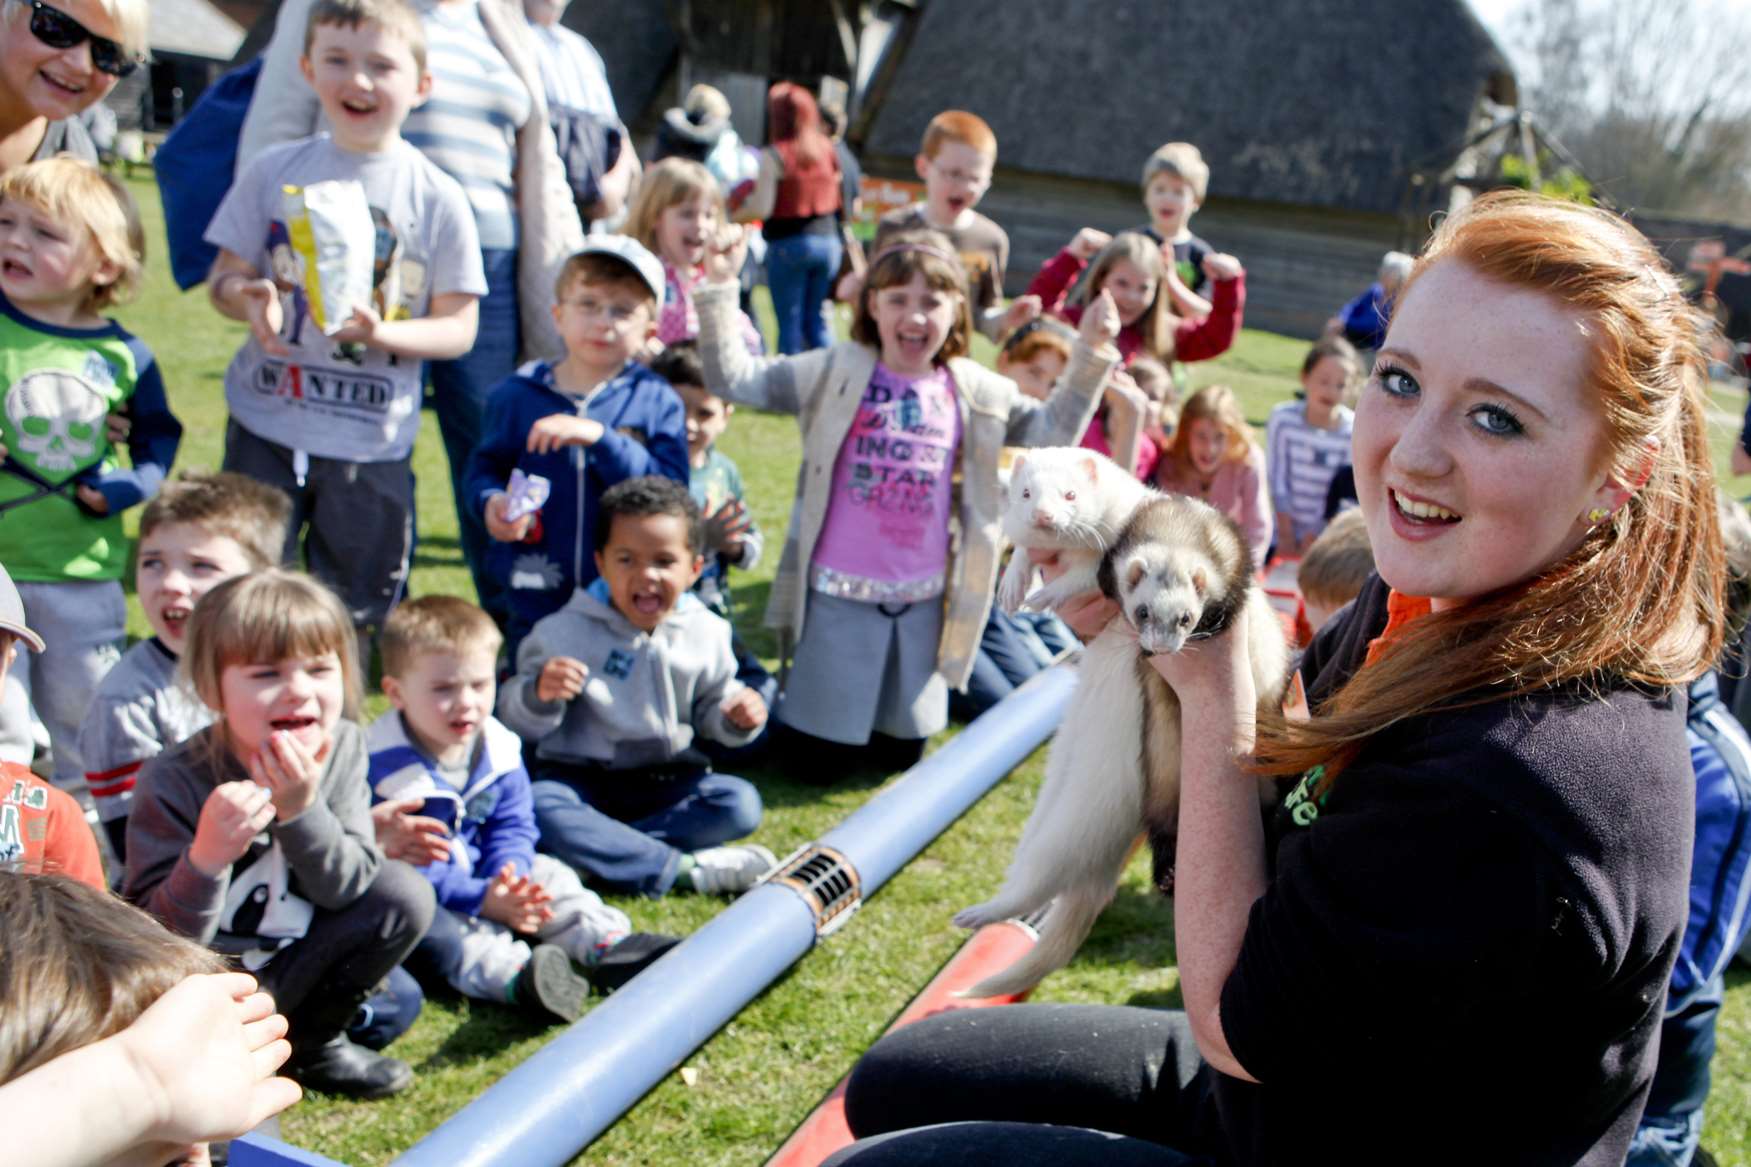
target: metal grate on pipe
<point>827,883</point>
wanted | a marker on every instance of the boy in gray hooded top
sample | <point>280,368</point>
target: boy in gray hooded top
<point>615,689</point>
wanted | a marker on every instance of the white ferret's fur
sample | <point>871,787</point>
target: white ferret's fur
<point>1068,500</point>
<point>1178,569</point>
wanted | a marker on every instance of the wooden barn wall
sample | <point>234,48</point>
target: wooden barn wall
<point>1302,264</point>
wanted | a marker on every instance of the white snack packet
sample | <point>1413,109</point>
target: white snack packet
<point>527,494</point>
<point>331,231</point>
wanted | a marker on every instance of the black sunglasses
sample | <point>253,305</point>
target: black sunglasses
<point>60,31</point>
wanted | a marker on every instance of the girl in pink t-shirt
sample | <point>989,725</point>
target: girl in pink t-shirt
<point>677,214</point>
<point>880,609</point>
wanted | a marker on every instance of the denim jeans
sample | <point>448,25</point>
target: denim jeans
<point>1009,653</point>
<point>800,271</point>
<point>628,830</point>
<point>460,388</point>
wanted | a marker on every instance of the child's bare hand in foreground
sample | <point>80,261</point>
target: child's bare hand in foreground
<point>561,679</point>
<point>564,429</point>
<point>516,901</point>
<point>496,524</point>
<point>291,773</point>
<point>413,838</point>
<point>745,710</point>
<point>231,817</point>
<point>206,1052</point>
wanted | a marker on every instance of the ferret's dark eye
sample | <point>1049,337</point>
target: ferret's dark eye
<point>1185,620</point>
<point>1069,496</point>
<point>1027,493</point>
<point>1142,614</point>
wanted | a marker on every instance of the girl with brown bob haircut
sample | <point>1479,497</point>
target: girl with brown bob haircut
<point>1470,896</point>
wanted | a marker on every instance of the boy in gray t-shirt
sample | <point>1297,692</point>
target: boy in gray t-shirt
<point>331,418</point>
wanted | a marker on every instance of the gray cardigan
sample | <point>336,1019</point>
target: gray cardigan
<point>823,389</point>
<point>330,849</point>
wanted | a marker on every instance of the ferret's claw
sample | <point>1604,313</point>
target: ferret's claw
<point>976,916</point>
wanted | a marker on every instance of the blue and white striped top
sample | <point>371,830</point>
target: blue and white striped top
<point>469,124</point>
<point>1300,461</point>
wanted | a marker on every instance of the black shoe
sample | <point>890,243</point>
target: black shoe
<point>637,952</point>
<point>549,986</point>
<point>337,1066</point>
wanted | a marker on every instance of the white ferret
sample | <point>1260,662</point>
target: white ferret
<point>1179,570</point>
<point>1069,500</point>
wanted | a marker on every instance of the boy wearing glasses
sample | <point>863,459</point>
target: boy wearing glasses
<point>596,418</point>
<point>327,409</point>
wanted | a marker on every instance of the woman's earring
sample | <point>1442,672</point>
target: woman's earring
<point>1598,515</point>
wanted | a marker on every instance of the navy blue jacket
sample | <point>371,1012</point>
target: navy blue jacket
<point>647,434</point>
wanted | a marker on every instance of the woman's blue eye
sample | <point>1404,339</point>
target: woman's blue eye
<point>1397,382</point>
<point>1496,420</point>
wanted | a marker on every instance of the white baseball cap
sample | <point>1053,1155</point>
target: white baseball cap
<point>12,613</point>
<point>633,254</point>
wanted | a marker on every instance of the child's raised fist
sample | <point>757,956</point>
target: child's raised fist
<point>1086,242</point>
<point>1219,266</point>
<point>233,815</point>
<point>561,679</point>
<point>1021,310</point>
<point>724,255</point>
<point>745,710</point>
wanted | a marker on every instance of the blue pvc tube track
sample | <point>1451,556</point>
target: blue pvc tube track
<point>554,1104</point>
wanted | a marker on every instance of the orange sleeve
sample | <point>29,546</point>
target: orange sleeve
<point>70,848</point>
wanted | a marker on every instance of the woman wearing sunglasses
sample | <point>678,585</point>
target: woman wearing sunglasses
<point>55,61</point>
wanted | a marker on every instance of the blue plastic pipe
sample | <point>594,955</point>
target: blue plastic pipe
<point>557,1102</point>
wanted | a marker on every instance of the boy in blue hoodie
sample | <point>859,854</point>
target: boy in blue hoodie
<point>452,793</point>
<point>594,419</point>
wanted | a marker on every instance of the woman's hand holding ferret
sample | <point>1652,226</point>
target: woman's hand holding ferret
<point>561,679</point>
<point>1088,614</point>
<point>1212,679</point>
<point>1100,321</point>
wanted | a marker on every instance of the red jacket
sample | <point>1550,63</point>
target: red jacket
<point>1193,340</point>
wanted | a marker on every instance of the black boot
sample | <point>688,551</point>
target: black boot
<point>338,1066</point>
<point>635,953</point>
<point>549,987</point>
<point>325,1059</point>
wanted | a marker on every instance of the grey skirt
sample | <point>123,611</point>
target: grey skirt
<point>862,668</point>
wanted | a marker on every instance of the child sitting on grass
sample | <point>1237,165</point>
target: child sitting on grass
<point>73,246</point>
<point>732,539</point>
<point>122,1043</point>
<point>1213,457</point>
<point>596,418</point>
<point>1307,441</point>
<point>452,794</point>
<point>254,836</point>
<point>200,531</point>
<point>615,692</point>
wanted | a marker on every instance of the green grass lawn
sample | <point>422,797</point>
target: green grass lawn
<point>759,1076</point>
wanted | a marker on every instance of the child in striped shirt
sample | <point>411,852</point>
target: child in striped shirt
<point>1307,441</point>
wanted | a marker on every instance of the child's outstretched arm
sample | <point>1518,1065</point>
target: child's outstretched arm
<point>731,372</point>
<point>1052,283</point>
<point>446,331</point>
<point>153,437</point>
<point>1061,419</point>
<point>1127,408</point>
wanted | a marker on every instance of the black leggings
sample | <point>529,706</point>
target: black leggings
<point>1108,1086</point>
